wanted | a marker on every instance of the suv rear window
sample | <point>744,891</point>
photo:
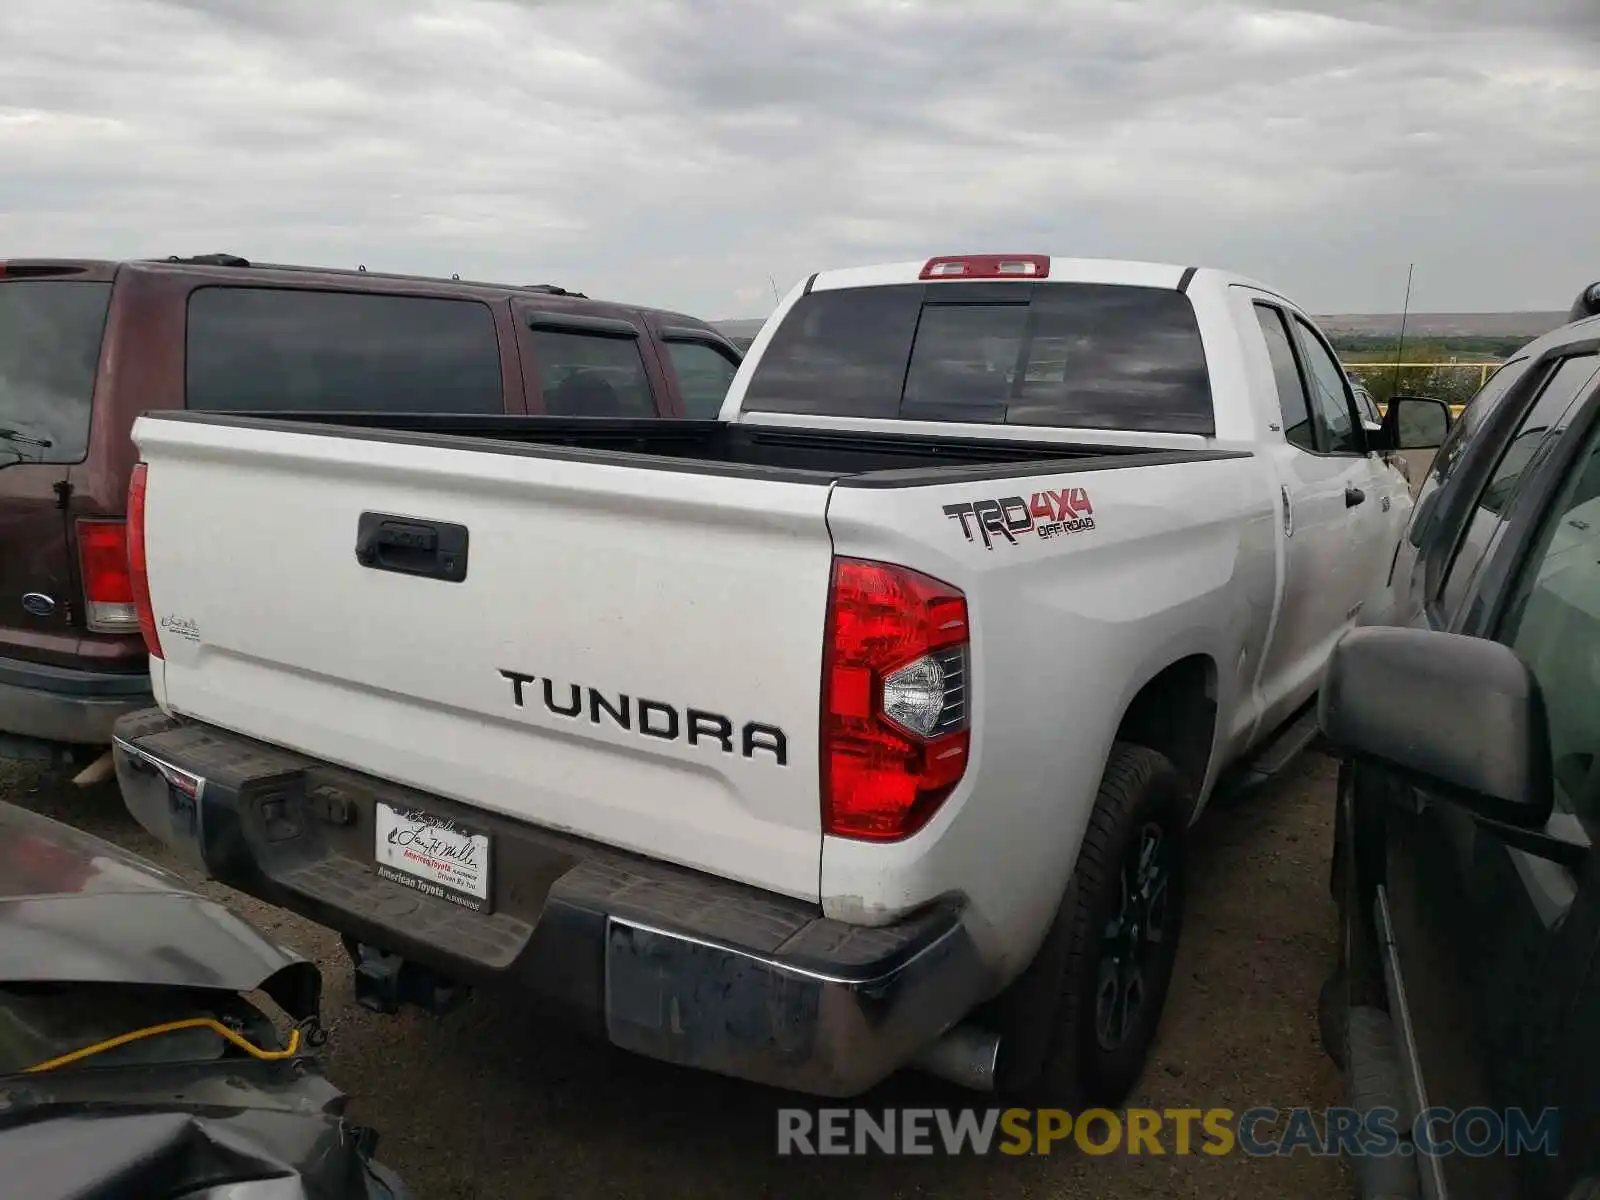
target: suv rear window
<point>1089,355</point>
<point>50,334</point>
<point>303,350</point>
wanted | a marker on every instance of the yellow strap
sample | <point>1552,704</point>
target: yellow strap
<point>172,1027</point>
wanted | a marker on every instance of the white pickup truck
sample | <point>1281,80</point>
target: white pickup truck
<point>859,728</point>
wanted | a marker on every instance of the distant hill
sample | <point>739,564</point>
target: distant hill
<point>1418,325</point>
<point>1447,325</point>
<point>746,327</point>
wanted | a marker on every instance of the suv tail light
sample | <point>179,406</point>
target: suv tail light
<point>987,266</point>
<point>107,584</point>
<point>894,710</point>
<point>138,576</point>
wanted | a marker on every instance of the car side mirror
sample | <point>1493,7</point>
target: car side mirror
<point>1587,304</point>
<point>1415,423</point>
<point>1461,717</point>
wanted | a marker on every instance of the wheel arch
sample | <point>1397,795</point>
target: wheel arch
<point>1175,714</point>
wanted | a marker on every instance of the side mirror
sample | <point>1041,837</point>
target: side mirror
<point>1587,304</point>
<point>1459,716</point>
<point>1415,423</point>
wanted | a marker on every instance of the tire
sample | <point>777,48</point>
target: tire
<point>1337,861</point>
<point>1373,1081</point>
<point>1065,1038</point>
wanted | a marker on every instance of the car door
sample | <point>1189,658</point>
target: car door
<point>1494,933</point>
<point>1320,465</point>
<point>1396,477</point>
<point>1375,493</point>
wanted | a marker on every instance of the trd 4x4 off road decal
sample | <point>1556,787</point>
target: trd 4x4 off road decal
<point>1047,514</point>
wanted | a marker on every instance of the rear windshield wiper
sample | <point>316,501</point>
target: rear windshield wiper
<point>22,439</point>
<point>13,435</point>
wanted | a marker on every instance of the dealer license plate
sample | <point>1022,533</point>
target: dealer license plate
<point>433,855</point>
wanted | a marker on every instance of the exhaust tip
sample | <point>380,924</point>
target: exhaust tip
<point>966,1056</point>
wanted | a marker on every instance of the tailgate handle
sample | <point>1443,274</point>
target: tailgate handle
<point>410,546</point>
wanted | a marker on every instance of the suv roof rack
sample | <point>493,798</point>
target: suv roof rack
<point>551,289</point>
<point>233,260</point>
<point>211,260</point>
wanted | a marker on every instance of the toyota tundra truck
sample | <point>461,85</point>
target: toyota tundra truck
<point>855,729</point>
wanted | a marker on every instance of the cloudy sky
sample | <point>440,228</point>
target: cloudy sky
<point>686,152</point>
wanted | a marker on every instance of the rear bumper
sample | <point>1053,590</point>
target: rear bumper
<point>65,704</point>
<point>660,960</point>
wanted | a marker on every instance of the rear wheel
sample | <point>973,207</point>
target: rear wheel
<point>1076,1028</point>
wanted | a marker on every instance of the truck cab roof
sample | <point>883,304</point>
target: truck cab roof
<point>1052,269</point>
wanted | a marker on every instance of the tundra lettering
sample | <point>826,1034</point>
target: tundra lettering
<point>655,718</point>
<point>648,708</point>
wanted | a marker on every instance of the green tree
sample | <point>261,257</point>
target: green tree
<point>1455,384</point>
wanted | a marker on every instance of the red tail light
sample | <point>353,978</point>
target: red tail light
<point>987,266</point>
<point>107,587</point>
<point>138,576</point>
<point>894,711</point>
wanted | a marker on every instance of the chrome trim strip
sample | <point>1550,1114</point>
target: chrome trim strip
<point>1429,1169</point>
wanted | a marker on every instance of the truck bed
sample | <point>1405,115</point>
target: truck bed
<point>850,458</point>
<point>611,629</point>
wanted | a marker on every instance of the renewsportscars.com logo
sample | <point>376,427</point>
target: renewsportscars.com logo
<point>1256,1132</point>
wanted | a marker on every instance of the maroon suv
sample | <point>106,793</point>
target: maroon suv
<point>85,347</point>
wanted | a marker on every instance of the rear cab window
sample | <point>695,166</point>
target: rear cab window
<point>50,334</point>
<point>297,349</point>
<point>1071,355</point>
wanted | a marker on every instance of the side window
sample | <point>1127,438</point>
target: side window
<point>1563,387</point>
<point>300,350</point>
<point>590,375</point>
<point>1292,401</point>
<point>1553,623</point>
<point>1369,410</point>
<point>1330,393</point>
<point>1478,410</point>
<point>704,374</point>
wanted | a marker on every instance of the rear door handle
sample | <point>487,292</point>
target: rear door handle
<point>1353,496</point>
<point>411,546</point>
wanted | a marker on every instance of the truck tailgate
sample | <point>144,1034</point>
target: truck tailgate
<point>633,655</point>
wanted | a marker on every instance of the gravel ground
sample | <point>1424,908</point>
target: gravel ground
<point>487,1103</point>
